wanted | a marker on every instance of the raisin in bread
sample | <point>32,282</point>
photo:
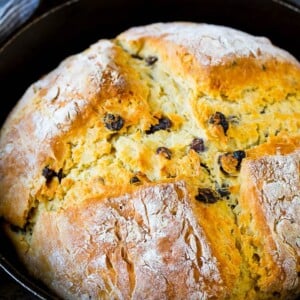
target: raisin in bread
<point>163,164</point>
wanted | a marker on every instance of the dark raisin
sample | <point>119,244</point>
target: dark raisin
<point>276,294</point>
<point>48,174</point>
<point>134,180</point>
<point>219,119</point>
<point>113,122</point>
<point>239,155</point>
<point>256,257</point>
<point>263,111</point>
<point>163,124</point>
<point>136,56</point>
<point>206,195</point>
<point>164,151</point>
<point>60,175</point>
<point>223,191</point>
<point>197,145</point>
<point>232,206</point>
<point>230,162</point>
<point>151,60</point>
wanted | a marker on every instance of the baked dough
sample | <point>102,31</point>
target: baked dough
<point>163,164</point>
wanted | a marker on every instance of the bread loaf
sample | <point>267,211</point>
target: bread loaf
<point>163,164</point>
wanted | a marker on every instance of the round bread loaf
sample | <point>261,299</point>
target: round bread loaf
<point>163,164</point>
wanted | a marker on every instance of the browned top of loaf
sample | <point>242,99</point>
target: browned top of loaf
<point>131,247</point>
<point>222,61</point>
<point>269,201</point>
<point>59,124</point>
<point>218,61</point>
<point>53,110</point>
<point>62,103</point>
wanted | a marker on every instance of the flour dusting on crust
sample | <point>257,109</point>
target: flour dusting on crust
<point>209,43</point>
<point>151,234</point>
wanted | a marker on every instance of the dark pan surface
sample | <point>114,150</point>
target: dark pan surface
<point>72,27</point>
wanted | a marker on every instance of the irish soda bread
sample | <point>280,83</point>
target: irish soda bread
<point>163,164</point>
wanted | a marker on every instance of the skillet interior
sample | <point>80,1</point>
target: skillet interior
<point>41,45</point>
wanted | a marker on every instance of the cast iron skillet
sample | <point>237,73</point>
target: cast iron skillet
<point>73,26</point>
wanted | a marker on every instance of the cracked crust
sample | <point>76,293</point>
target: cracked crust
<point>221,61</point>
<point>54,110</point>
<point>128,171</point>
<point>270,206</point>
<point>142,245</point>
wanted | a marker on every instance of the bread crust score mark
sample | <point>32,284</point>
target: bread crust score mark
<point>270,195</point>
<point>117,155</point>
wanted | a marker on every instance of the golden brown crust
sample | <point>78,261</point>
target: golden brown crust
<point>221,65</point>
<point>31,134</point>
<point>53,111</point>
<point>184,120</point>
<point>270,217</point>
<point>222,61</point>
<point>144,245</point>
